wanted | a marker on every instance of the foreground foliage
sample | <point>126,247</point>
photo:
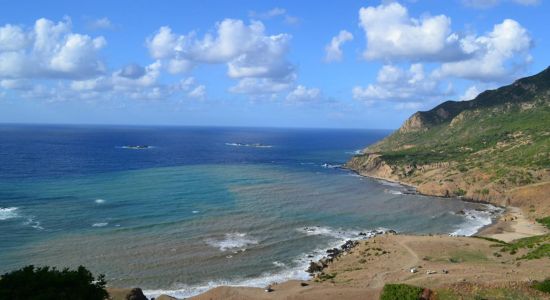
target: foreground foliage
<point>543,286</point>
<point>401,291</point>
<point>45,283</point>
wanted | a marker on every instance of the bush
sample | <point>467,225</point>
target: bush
<point>543,286</point>
<point>45,283</point>
<point>401,292</point>
<point>545,221</point>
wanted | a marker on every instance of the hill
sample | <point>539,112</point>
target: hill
<point>494,148</point>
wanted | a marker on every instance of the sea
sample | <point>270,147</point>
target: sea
<point>179,210</point>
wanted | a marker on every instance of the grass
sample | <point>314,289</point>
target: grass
<point>482,293</point>
<point>543,286</point>
<point>537,246</point>
<point>545,221</point>
<point>460,256</point>
<point>401,292</point>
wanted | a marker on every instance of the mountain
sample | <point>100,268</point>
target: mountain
<point>494,148</point>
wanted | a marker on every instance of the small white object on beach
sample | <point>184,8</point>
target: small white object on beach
<point>414,270</point>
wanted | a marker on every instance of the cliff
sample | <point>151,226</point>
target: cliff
<point>494,148</point>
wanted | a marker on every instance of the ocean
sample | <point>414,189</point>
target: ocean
<point>196,207</point>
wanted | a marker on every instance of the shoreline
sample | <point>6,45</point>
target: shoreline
<point>318,260</point>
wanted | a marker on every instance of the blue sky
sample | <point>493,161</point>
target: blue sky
<point>359,64</point>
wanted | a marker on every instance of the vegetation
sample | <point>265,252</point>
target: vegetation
<point>536,246</point>
<point>401,291</point>
<point>44,283</point>
<point>497,141</point>
<point>545,221</point>
<point>543,286</point>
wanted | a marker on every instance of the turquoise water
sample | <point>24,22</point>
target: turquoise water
<point>192,212</point>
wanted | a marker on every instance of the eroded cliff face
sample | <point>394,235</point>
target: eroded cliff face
<point>372,165</point>
<point>415,123</point>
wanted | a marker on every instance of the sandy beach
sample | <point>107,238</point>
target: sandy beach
<point>443,264</point>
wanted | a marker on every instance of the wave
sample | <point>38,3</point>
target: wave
<point>475,219</point>
<point>8,213</point>
<point>31,221</point>
<point>195,211</point>
<point>330,166</point>
<point>100,224</point>
<point>232,241</point>
<point>355,152</point>
<point>254,145</point>
<point>99,201</point>
<point>295,272</point>
<point>393,192</point>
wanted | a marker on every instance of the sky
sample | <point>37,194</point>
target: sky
<point>329,64</point>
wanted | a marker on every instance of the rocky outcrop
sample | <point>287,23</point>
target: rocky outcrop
<point>136,294</point>
<point>415,123</point>
<point>371,165</point>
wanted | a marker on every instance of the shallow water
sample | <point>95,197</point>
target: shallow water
<point>195,211</point>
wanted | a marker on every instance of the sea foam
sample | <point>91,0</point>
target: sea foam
<point>295,272</point>
<point>8,213</point>
<point>232,241</point>
<point>101,224</point>
<point>475,219</point>
<point>99,201</point>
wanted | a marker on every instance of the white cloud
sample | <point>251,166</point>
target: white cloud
<point>49,50</point>
<point>495,56</point>
<point>273,13</point>
<point>471,93</point>
<point>258,86</point>
<point>334,49</point>
<point>303,94</point>
<point>392,34</point>
<point>198,92</point>
<point>247,50</point>
<point>101,23</point>
<point>411,85</point>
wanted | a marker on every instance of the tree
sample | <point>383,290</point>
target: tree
<point>45,283</point>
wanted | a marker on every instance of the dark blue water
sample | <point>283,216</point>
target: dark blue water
<point>199,207</point>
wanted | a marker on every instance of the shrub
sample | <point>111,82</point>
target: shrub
<point>45,283</point>
<point>401,292</point>
<point>543,286</point>
<point>545,221</point>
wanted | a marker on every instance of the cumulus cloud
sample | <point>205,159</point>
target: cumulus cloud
<point>392,34</point>
<point>49,50</point>
<point>494,56</point>
<point>250,54</point>
<point>401,85</point>
<point>333,51</point>
<point>303,94</point>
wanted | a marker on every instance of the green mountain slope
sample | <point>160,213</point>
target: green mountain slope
<point>492,148</point>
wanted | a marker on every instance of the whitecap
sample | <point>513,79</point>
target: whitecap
<point>294,271</point>
<point>475,219</point>
<point>330,166</point>
<point>232,241</point>
<point>33,223</point>
<point>101,224</point>
<point>393,192</point>
<point>195,211</point>
<point>8,213</point>
<point>99,201</point>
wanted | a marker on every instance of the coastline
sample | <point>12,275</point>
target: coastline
<point>501,228</point>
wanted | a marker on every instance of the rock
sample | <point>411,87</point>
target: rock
<point>136,294</point>
<point>391,231</point>
<point>269,289</point>
<point>304,284</point>
<point>362,233</point>
<point>314,267</point>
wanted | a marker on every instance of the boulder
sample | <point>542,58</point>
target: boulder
<point>136,294</point>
